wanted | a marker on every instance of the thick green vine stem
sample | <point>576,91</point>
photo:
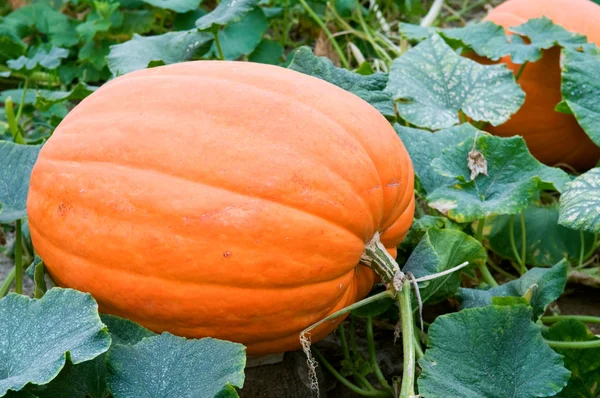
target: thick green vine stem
<point>12,121</point>
<point>407,388</point>
<point>382,263</point>
<point>581,318</point>
<point>574,345</point>
<point>5,288</point>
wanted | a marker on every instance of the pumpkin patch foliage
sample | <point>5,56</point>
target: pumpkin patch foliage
<point>405,192</point>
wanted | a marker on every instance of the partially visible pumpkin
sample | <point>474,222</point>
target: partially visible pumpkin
<point>223,199</point>
<point>551,136</point>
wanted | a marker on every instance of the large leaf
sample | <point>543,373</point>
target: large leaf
<point>242,37</point>
<point>44,19</point>
<point>583,364</point>
<point>580,202</point>
<point>169,48</point>
<point>489,40</point>
<point>11,45</point>
<point>226,12</point>
<point>16,163</point>
<point>267,52</point>
<point>16,95</point>
<point>42,58</point>
<point>424,146</point>
<point>514,177</point>
<point>581,90</point>
<point>187,368</point>
<point>415,32</point>
<point>175,5</point>
<point>494,351</point>
<point>84,380</point>
<point>549,285</point>
<point>546,242</point>
<point>37,336</point>
<point>138,21</point>
<point>438,251</point>
<point>46,98</point>
<point>432,84</point>
<point>371,88</point>
<point>88,379</point>
<point>124,331</point>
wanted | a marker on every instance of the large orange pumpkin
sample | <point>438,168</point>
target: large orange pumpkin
<point>552,137</point>
<point>223,199</point>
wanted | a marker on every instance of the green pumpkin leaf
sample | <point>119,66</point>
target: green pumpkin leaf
<point>187,368</point>
<point>41,58</point>
<point>226,12</point>
<point>37,336</point>
<point>370,88</point>
<point>16,163</point>
<point>242,37</point>
<point>30,271</point>
<point>178,6</point>
<point>84,380</point>
<point>415,32</point>
<point>550,283</point>
<point>267,52</point>
<point>431,84</point>
<point>489,40</point>
<point>46,98</point>
<point>139,21</point>
<point>494,351</point>
<point>545,34</point>
<point>124,331</point>
<point>547,242</point>
<point>88,30</point>
<point>424,146</point>
<point>580,201</point>
<point>187,20</point>
<point>88,379</point>
<point>580,90</point>
<point>438,251</point>
<point>514,178</point>
<point>583,364</point>
<point>11,45</point>
<point>16,95</point>
<point>168,48</point>
<point>42,18</point>
<point>95,52</point>
<point>39,273</point>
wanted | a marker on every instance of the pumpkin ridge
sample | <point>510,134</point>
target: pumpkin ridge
<point>366,208</point>
<point>344,300</point>
<point>270,286</point>
<point>270,201</point>
<point>349,132</point>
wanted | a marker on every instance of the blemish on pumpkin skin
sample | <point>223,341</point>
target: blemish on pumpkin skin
<point>226,254</point>
<point>64,208</point>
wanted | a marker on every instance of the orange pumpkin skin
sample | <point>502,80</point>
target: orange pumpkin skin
<point>552,137</point>
<point>223,199</point>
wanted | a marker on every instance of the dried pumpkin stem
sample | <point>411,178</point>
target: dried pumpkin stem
<point>382,263</point>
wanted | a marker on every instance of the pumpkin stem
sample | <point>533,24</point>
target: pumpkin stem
<point>382,263</point>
